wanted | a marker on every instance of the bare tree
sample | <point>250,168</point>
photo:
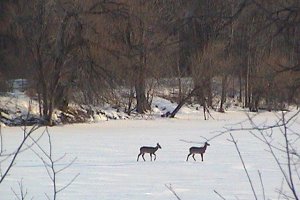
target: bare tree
<point>50,164</point>
<point>281,141</point>
<point>12,156</point>
<point>46,156</point>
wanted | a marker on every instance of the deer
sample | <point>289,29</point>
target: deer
<point>150,150</point>
<point>197,150</point>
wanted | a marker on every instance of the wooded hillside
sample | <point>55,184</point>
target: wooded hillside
<point>93,51</point>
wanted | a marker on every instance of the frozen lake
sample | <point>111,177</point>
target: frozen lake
<point>106,160</point>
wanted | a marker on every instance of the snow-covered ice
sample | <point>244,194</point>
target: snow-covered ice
<point>106,154</point>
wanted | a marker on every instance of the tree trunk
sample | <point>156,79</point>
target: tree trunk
<point>223,94</point>
<point>142,104</point>
<point>241,87</point>
<point>182,102</point>
<point>140,89</point>
<point>209,93</point>
<point>248,81</point>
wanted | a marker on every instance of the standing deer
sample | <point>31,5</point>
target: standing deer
<point>150,150</point>
<point>197,150</point>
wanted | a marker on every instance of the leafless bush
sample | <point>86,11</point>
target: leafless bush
<point>281,141</point>
<point>28,142</point>
<point>22,193</point>
<point>50,164</point>
<point>4,156</point>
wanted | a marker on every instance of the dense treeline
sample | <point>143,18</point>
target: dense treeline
<point>83,51</point>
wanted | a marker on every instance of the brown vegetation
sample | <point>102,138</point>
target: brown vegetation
<point>83,50</point>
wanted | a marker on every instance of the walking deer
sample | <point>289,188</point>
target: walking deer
<point>197,150</point>
<point>150,150</point>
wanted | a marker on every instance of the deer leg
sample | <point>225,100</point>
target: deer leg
<point>138,157</point>
<point>154,156</point>
<point>151,156</point>
<point>194,157</point>
<point>202,156</point>
<point>143,156</point>
<point>187,158</point>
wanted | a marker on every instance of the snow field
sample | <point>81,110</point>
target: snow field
<point>106,160</point>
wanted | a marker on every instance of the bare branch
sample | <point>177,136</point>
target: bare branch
<point>23,192</point>
<point>50,165</point>
<point>172,190</point>
<point>283,127</point>
<point>219,195</point>
<point>26,136</point>
<point>281,188</point>
<point>262,185</point>
<point>67,166</point>
<point>68,184</point>
<point>291,181</point>
<point>188,141</point>
<point>244,166</point>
